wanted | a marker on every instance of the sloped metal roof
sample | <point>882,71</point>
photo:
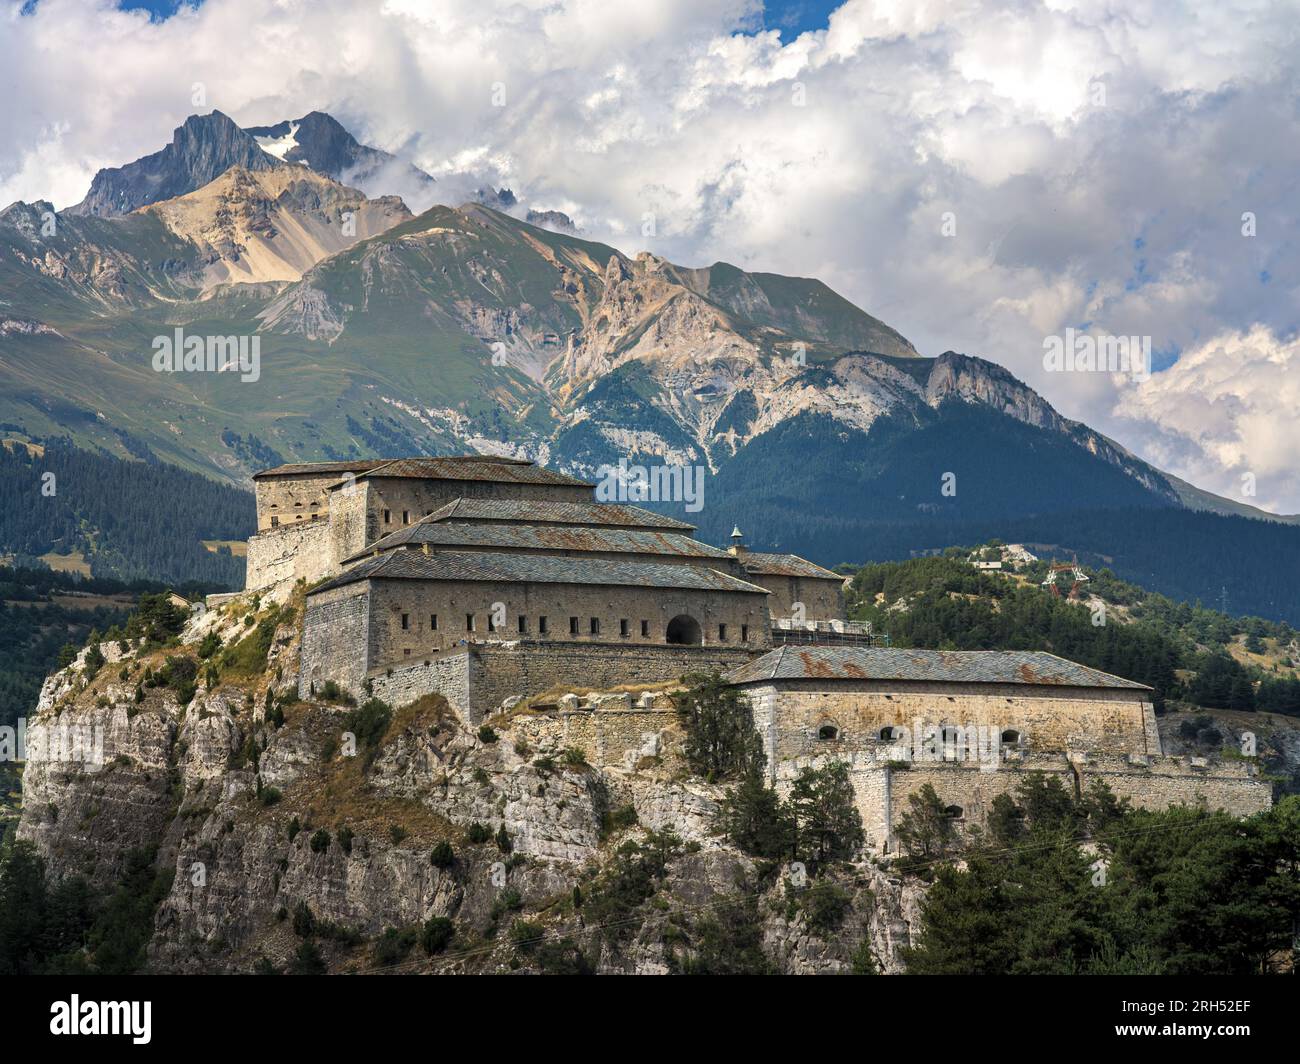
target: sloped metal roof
<point>1034,668</point>
<point>536,569</point>
<point>490,536</point>
<point>303,469</point>
<point>473,467</point>
<point>537,511</point>
<point>786,565</point>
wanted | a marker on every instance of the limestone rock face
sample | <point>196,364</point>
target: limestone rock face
<point>269,818</point>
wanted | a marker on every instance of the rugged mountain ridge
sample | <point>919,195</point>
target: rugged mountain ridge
<point>202,149</point>
<point>464,328</point>
<point>319,141</point>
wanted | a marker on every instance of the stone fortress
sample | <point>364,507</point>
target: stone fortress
<point>490,580</point>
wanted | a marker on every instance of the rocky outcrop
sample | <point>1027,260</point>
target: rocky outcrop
<point>275,818</point>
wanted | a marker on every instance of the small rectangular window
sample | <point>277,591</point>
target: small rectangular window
<point>406,517</point>
<point>624,627</point>
<point>492,621</point>
<point>523,625</point>
<point>722,633</point>
<point>744,633</point>
<point>388,517</point>
<point>541,625</point>
<point>275,522</point>
<point>433,622</point>
<point>645,629</point>
<point>469,622</point>
<point>406,652</point>
<point>406,621</point>
<point>573,626</point>
<point>595,626</point>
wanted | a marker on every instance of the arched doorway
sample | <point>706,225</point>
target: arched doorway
<point>684,630</point>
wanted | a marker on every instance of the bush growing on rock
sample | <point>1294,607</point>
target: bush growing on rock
<point>443,856</point>
<point>369,723</point>
<point>307,961</point>
<point>320,841</point>
<point>393,946</point>
<point>436,935</point>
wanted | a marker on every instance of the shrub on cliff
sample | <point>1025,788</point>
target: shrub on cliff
<point>369,723</point>
<point>436,935</point>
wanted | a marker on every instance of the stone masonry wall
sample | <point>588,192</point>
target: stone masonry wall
<point>822,599</point>
<point>286,501</point>
<point>791,717</point>
<point>335,640</point>
<point>882,786</point>
<point>528,668</point>
<point>451,603</point>
<point>447,675</point>
<point>304,551</point>
<point>478,679</point>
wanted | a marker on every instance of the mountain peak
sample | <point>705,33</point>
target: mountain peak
<point>318,140</point>
<point>202,148</point>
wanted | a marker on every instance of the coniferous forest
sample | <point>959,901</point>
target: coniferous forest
<point>130,519</point>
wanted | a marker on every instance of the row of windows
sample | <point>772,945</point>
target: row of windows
<point>575,626</point>
<point>275,521</point>
<point>829,733</point>
<point>406,516</point>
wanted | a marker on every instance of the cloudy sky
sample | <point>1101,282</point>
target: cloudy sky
<point>981,175</point>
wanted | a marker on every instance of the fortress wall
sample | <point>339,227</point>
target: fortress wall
<point>822,599</point>
<point>527,668</point>
<point>335,639</point>
<point>447,675</point>
<point>452,601</point>
<point>883,789</point>
<point>294,552</point>
<point>476,680</point>
<point>292,499</point>
<point>349,508</point>
<point>791,713</point>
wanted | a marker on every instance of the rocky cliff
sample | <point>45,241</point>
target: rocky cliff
<point>401,840</point>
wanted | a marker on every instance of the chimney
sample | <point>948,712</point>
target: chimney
<point>738,548</point>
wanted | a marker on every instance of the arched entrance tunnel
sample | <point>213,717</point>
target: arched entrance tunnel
<point>684,630</point>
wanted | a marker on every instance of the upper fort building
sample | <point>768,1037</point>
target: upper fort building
<point>413,559</point>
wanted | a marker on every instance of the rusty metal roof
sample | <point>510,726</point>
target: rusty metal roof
<point>303,469</point>
<point>785,565</point>
<point>543,512</point>
<point>1033,668</point>
<point>489,536</point>
<point>471,467</point>
<point>536,569</point>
